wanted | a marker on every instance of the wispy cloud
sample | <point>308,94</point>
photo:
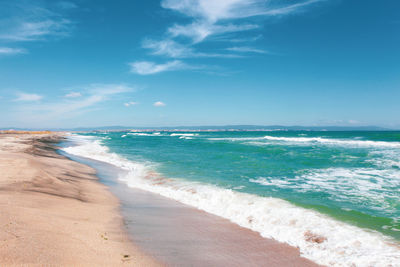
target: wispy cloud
<point>173,49</point>
<point>11,51</point>
<point>28,97</point>
<point>73,95</point>
<point>212,20</point>
<point>147,67</point>
<point>168,48</point>
<point>108,89</point>
<point>27,21</point>
<point>95,94</point>
<point>210,17</point>
<point>199,31</point>
<point>227,38</point>
<point>130,103</point>
<point>246,49</point>
<point>159,104</point>
<point>296,6</point>
<point>35,30</point>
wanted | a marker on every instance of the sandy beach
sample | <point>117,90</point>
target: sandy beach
<point>54,212</point>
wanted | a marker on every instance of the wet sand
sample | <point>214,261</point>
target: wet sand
<point>54,212</point>
<point>179,235</point>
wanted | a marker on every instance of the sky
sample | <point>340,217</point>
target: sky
<point>89,63</point>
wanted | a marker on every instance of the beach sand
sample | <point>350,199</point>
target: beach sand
<point>54,212</point>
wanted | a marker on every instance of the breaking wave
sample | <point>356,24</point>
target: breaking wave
<point>319,237</point>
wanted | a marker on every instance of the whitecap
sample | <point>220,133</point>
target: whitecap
<point>343,244</point>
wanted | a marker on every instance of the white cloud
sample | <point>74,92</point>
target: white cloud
<point>29,21</point>
<point>73,95</point>
<point>218,20</point>
<point>213,11</point>
<point>108,89</point>
<point>246,49</point>
<point>28,97</point>
<point>159,104</point>
<point>170,48</point>
<point>31,31</point>
<point>199,31</point>
<point>96,94</point>
<point>284,10</point>
<point>131,103</point>
<point>11,51</point>
<point>210,16</point>
<point>147,67</point>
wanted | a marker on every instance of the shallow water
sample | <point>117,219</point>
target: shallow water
<point>281,184</point>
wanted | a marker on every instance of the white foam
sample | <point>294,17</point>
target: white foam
<point>330,141</point>
<point>272,182</point>
<point>345,245</point>
<point>183,134</point>
<point>388,158</point>
<point>235,138</point>
<point>370,187</point>
<point>145,134</point>
<point>89,147</point>
<point>186,136</point>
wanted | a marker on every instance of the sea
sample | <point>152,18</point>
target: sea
<point>333,195</point>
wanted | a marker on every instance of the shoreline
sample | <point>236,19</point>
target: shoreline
<point>319,238</point>
<point>59,209</point>
<point>55,212</point>
<point>181,235</point>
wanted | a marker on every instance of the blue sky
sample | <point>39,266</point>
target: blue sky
<point>91,63</point>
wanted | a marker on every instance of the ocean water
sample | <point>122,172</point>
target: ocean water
<point>334,195</point>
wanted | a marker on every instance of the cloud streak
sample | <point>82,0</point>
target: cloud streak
<point>199,31</point>
<point>11,51</point>
<point>26,97</point>
<point>212,17</point>
<point>246,49</point>
<point>73,95</point>
<point>172,49</point>
<point>28,21</point>
<point>95,94</point>
<point>159,104</point>
<point>130,103</point>
<point>212,20</point>
<point>35,30</point>
<point>147,67</point>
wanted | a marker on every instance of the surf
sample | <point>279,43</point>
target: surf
<point>319,237</point>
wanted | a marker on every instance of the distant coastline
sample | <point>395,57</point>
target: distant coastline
<point>210,128</point>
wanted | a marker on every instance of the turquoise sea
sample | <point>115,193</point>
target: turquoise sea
<point>287,185</point>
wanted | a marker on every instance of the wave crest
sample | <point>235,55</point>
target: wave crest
<point>319,237</point>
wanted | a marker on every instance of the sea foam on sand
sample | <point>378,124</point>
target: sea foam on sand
<point>320,238</point>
